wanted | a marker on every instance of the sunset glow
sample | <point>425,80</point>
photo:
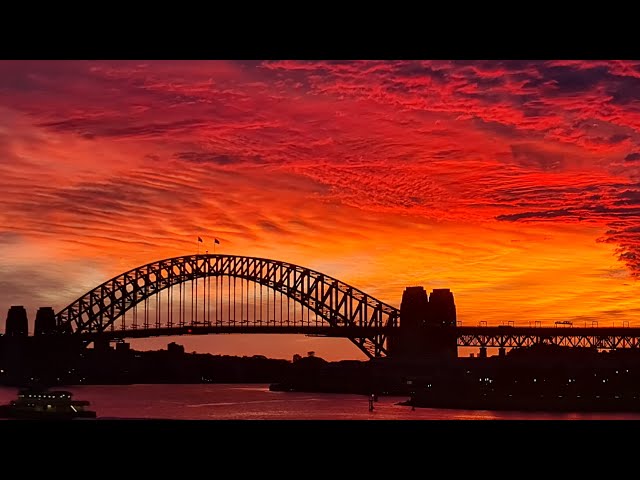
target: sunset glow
<point>515,184</point>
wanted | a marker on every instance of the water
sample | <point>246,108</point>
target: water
<point>256,402</point>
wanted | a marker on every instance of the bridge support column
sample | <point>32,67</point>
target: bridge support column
<point>483,352</point>
<point>441,338</point>
<point>427,325</point>
<point>413,309</point>
<point>502,352</point>
<point>45,323</point>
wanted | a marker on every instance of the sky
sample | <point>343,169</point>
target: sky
<point>516,184</point>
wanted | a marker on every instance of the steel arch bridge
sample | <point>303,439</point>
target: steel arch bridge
<point>332,307</point>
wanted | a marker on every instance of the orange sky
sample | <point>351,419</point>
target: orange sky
<point>515,184</point>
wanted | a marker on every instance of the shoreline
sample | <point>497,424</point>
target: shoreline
<point>549,404</point>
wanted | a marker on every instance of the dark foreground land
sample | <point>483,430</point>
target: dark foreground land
<point>538,378</point>
<point>542,377</point>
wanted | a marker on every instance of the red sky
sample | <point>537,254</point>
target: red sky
<point>515,184</point>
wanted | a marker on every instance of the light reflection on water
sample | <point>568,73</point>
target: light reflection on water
<point>254,402</point>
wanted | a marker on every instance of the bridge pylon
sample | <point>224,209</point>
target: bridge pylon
<point>45,323</point>
<point>427,325</point>
<point>17,324</point>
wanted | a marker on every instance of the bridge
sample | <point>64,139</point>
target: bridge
<point>224,294</point>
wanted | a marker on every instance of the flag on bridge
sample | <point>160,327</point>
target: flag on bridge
<point>216,241</point>
<point>199,239</point>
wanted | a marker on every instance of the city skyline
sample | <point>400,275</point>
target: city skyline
<point>514,184</point>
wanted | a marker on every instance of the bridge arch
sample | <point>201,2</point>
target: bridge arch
<point>340,305</point>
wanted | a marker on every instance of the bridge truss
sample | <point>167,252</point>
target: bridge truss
<point>606,338</point>
<point>222,292</point>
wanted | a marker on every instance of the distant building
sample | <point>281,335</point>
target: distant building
<point>173,347</point>
<point>123,347</point>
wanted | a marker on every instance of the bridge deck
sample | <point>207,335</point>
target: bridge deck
<point>325,331</point>
<point>548,331</point>
<point>505,336</point>
<point>499,336</point>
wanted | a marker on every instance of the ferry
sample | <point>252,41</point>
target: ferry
<point>39,404</point>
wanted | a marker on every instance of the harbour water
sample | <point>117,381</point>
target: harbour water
<point>256,402</point>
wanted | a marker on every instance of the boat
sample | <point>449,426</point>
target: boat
<point>40,404</point>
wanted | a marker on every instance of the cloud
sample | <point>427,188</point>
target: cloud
<point>91,129</point>
<point>10,238</point>
<point>532,156</point>
<point>632,157</point>
<point>570,80</point>
<point>618,138</point>
<point>536,215</point>
<point>272,227</point>
<point>215,158</point>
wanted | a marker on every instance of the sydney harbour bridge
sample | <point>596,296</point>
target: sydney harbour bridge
<point>224,294</point>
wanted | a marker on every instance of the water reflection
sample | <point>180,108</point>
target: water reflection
<point>255,402</point>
